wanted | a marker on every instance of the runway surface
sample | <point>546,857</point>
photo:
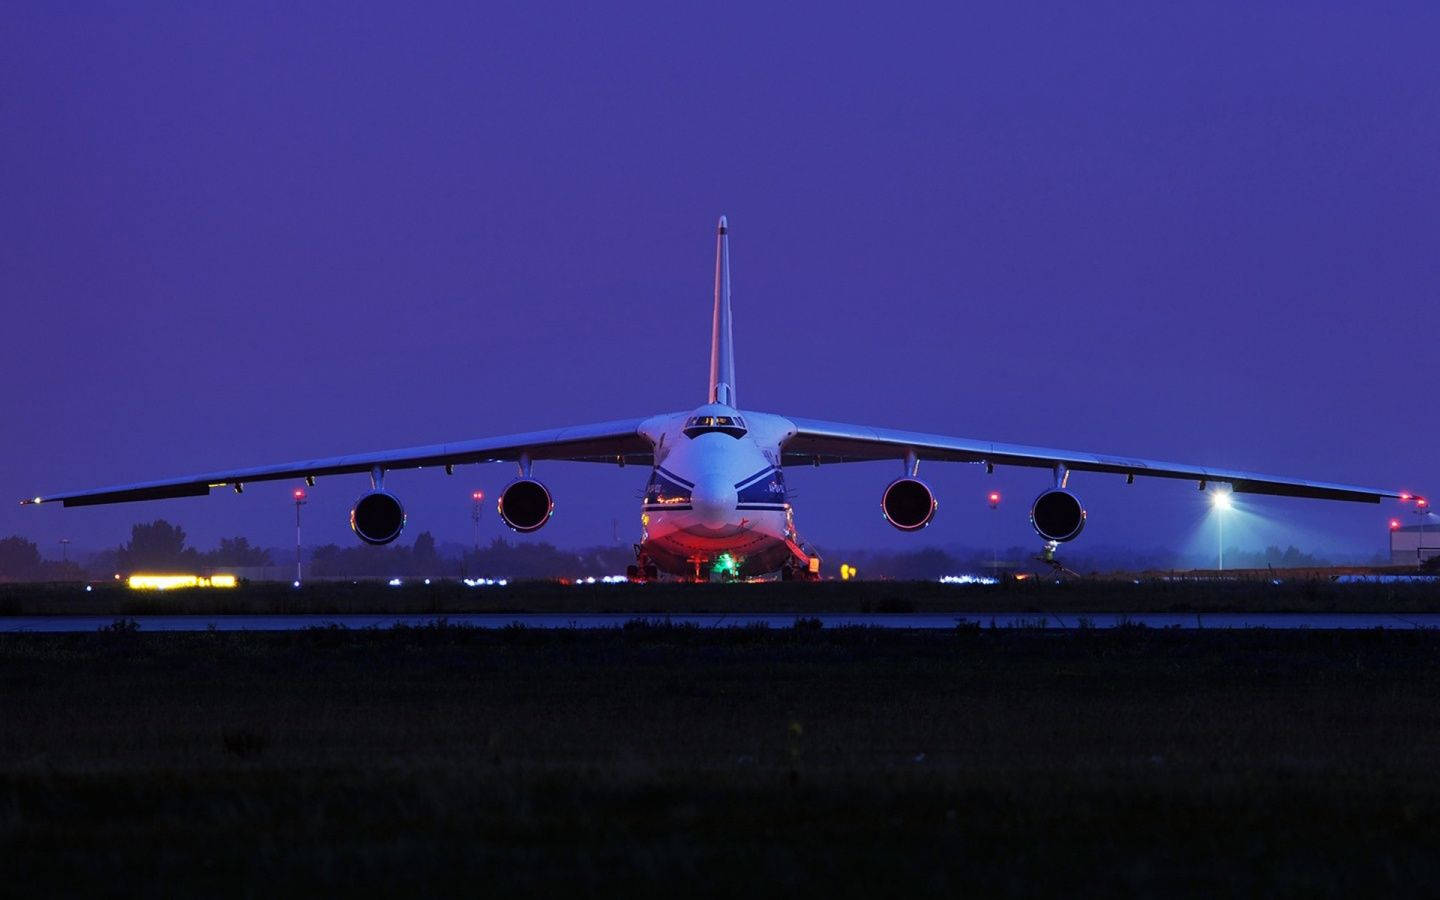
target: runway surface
<point>927,621</point>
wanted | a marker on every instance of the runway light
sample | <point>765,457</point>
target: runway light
<point>1394,524</point>
<point>969,579</point>
<point>1421,503</point>
<point>478,496</point>
<point>171,582</point>
<point>994,499</point>
<point>299,493</point>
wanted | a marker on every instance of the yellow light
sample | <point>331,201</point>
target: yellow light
<point>171,582</point>
<point>814,565</point>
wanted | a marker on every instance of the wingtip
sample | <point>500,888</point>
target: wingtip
<point>723,227</point>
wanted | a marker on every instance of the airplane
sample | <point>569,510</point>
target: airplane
<point>715,502</point>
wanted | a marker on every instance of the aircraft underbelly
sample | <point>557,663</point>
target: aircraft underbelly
<point>757,543</point>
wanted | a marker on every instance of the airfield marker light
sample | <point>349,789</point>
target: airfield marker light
<point>476,497</point>
<point>1394,524</point>
<point>299,502</point>
<point>994,499</point>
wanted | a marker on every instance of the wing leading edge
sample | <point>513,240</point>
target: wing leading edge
<point>816,442</point>
<point>613,442</point>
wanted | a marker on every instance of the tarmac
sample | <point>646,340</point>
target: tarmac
<point>900,621</point>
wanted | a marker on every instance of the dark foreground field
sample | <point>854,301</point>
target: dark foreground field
<point>658,761</point>
<point>1078,595</point>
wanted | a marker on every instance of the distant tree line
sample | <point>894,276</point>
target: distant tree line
<point>155,546</point>
<point>499,559</point>
<point>161,546</point>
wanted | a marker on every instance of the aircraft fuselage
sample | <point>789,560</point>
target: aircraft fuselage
<point>717,490</point>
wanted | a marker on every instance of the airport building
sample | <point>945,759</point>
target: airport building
<point>1411,544</point>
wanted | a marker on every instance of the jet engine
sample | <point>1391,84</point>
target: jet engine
<point>525,505</point>
<point>908,504</point>
<point>1057,515</point>
<point>377,518</point>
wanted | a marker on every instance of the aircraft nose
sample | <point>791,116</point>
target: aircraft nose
<point>713,500</point>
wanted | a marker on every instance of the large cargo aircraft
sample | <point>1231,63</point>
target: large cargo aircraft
<point>716,498</point>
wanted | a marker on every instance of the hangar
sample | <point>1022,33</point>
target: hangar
<point>1411,544</point>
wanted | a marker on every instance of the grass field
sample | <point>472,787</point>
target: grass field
<point>446,597</point>
<point>670,761</point>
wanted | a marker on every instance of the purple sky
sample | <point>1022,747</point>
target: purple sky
<point>241,236</point>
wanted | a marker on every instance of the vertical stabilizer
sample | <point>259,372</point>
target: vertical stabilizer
<point>722,346</point>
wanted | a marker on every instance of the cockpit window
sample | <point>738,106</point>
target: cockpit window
<point>731,425</point>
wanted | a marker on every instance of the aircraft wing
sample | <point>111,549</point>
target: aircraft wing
<point>613,442</point>
<point>817,442</point>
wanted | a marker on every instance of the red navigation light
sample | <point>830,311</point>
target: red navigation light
<point>1394,524</point>
<point>994,499</point>
<point>478,496</point>
<point>299,493</point>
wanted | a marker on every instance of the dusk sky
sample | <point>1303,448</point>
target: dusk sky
<point>236,235</point>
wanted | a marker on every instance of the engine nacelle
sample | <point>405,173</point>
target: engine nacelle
<point>377,518</point>
<point>1057,515</point>
<point>908,504</point>
<point>525,505</point>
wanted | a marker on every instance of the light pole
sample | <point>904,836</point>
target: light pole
<point>476,497</point>
<point>1220,500</point>
<point>299,502</point>
<point>994,500</point>
<point>1422,508</point>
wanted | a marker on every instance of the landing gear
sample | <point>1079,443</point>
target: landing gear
<point>644,570</point>
<point>808,572</point>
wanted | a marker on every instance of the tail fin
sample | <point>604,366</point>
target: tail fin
<point>722,346</point>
